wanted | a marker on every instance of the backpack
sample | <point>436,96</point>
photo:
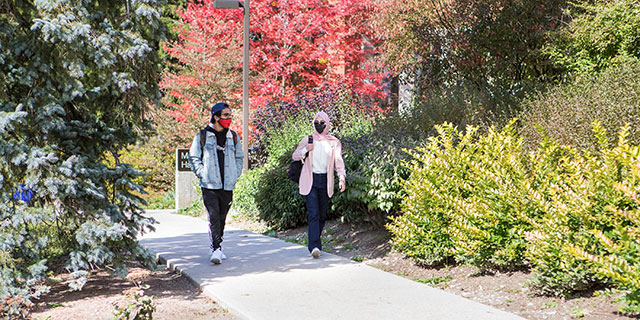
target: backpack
<point>203,140</point>
<point>295,168</point>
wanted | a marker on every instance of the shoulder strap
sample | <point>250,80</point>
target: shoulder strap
<point>203,141</point>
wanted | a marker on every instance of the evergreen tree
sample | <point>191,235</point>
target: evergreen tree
<point>76,78</point>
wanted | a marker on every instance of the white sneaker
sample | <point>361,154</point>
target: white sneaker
<point>224,256</point>
<point>315,253</point>
<point>216,256</point>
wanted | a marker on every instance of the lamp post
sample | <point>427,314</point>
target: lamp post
<point>234,4</point>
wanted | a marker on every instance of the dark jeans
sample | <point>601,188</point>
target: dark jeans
<point>317,205</point>
<point>217,203</point>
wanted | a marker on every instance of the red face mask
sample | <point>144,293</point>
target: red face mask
<point>225,123</point>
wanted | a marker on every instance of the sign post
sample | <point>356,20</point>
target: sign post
<point>186,180</point>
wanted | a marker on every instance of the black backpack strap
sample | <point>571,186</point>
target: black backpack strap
<point>235,137</point>
<point>203,141</point>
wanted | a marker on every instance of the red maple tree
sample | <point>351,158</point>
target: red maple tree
<point>296,45</point>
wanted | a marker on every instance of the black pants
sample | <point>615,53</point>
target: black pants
<point>217,203</point>
<point>317,206</point>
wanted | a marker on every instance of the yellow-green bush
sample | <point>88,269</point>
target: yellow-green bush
<point>464,199</point>
<point>576,213</point>
<point>621,260</point>
<point>572,215</point>
<point>556,272</point>
<point>615,226</point>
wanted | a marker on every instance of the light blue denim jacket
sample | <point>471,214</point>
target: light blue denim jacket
<point>206,167</point>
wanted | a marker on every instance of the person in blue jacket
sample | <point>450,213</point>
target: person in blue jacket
<point>216,159</point>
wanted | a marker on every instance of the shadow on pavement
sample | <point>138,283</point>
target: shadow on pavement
<point>248,253</point>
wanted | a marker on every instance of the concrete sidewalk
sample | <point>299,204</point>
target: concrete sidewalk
<point>267,278</point>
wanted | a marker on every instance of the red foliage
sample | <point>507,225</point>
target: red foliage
<point>296,45</point>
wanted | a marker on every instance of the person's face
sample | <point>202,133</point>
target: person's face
<point>225,114</point>
<point>319,124</point>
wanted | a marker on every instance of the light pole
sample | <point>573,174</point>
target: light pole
<point>234,4</point>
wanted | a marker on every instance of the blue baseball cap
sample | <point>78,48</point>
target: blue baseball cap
<point>218,107</point>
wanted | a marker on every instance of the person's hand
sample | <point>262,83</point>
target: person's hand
<point>342,185</point>
<point>310,147</point>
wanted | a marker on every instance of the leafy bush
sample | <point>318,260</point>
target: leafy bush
<point>569,213</point>
<point>278,201</point>
<point>622,262</point>
<point>597,228</point>
<point>246,189</point>
<point>561,198</point>
<point>372,153</point>
<point>598,35</point>
<point>464,200</point>
<point>276,198</point>
<point>565,112</point>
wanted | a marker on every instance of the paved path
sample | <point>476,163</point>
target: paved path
<point>267,278</point>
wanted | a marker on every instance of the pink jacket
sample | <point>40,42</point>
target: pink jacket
<point>334,162</point>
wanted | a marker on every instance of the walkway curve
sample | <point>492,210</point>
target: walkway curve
<point>267,278</point>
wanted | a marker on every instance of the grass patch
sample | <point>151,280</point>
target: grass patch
<point>195,209</point>
<point>164,200</point>
<point>302,240</point>
<point>434,280</point>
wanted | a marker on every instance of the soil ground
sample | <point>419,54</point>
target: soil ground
<point>175,297</point>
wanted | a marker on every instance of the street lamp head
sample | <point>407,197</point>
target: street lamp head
<point>226,4</point>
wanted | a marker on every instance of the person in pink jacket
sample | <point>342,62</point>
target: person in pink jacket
<point>320,159</point>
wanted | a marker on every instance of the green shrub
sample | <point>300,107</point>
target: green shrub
<point>423,232</point>
<point>165,200</point>
<point>278,201</point>
<point>599,34</point>
<point>247,187</point>
<point>475,197</point>
<point>565,113</point>
<point>281,142</point>
<point>465,199</point>
<point>622,262</point>
<point>555,271</point>
<point>492,210</point>
<point>372,157</point>
<point>576,214</point>
<point>616,224</point>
